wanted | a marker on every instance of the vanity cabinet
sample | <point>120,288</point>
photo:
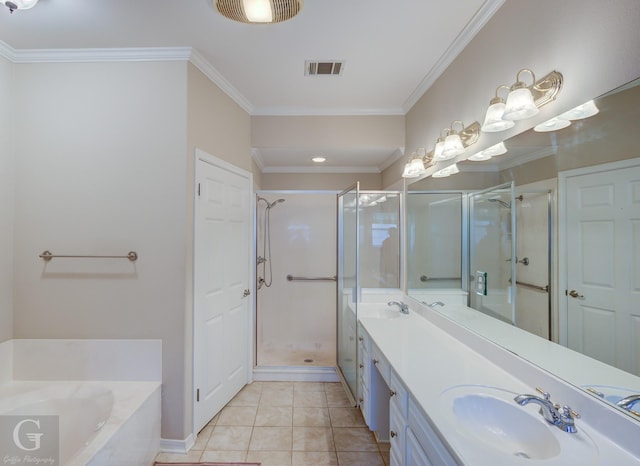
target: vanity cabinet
<point>391,412</point>
<point>373,390</point>
<point>364,371</point>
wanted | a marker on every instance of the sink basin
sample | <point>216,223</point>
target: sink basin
<point>382,314</point>
<point>505,426</point>
<point>489,423</point>
<point>378,311</point>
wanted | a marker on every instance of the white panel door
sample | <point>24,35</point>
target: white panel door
<point>603,252</point>
<point>222,323</point>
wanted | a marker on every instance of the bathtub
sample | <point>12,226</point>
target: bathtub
<point>100,423</point>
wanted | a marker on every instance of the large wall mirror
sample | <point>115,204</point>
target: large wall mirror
<point>568,232</point>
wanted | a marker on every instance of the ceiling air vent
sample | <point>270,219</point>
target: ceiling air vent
<point>323,68</point>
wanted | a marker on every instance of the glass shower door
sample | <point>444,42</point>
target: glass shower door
<point>492,272</point>
<point>347,289</point>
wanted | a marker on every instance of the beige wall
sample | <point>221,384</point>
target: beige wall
<point>356,132</point>
<point>7,167</point>
<point>319,181</point>
<point>101,169</point>
<point>594,44</point>
<point>218,126</point>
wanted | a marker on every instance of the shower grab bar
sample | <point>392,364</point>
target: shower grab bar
<point>48,255</point>
<point>424,278</point>
<point>291,278</point>
<point>534,287</point>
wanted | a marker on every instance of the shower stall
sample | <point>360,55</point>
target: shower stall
<point>510,257</point>
<point>368,258</point>
<point>295,281</point>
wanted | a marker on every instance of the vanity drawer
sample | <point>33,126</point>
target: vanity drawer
<point>381,363</point>
<point>399,395</point>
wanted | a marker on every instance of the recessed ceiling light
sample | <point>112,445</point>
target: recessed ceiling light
<point>318,159</point>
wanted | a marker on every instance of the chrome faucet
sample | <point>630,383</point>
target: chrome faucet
<point>403,307</point>
<point>628,401</point>
<point>561,417</point>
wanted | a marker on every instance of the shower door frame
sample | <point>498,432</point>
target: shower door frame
<point>471,248</point>
<point>352,392</point>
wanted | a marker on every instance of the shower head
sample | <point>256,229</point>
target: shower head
<point>277,201</point>
<point>269,204</point>
<point>502,203</point>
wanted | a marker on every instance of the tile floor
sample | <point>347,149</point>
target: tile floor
<point>288,424</point>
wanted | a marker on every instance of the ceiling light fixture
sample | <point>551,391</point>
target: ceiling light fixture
<point>20,4</point>
<point>318,159</point>
<point>259,11</point>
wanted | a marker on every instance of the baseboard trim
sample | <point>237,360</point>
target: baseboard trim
<point>168,445</point>
<point>295,374</point>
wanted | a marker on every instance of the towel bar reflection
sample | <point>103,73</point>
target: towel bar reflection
<point>291,278</point>
<point>48,255</point>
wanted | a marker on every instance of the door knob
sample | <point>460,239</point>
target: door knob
<point>575,294</point>
<point>246,293</point>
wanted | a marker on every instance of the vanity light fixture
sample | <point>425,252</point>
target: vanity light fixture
<point>586,110</point>
<point>437,150</point>
<point>522,98</point>
<point>416,166</point>
<point>453,143</point>
<point>259,11</point>
<point>14,5</point>
<point>520,104</point>
<point>493,121</point>
<point>493,151</point>
<point>552,124</point>
<point>447,171</point>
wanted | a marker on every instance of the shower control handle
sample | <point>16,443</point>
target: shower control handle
<point>246,293</point>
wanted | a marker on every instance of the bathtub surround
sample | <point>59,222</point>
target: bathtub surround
<point>114,384</point>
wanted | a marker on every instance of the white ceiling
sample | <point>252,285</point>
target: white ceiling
<point>392,51</point>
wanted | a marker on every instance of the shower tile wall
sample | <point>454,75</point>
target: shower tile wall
<point>296,319</point>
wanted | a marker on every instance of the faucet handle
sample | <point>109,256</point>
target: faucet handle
<point>546,395</point>
<point>569,413</point>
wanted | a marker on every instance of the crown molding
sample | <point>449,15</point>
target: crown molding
<point>282,111</point>
<point>393,158</point>
<point>210,72</point>
<point>137,54</point>
<point>257,158</point>
<point>476,23</point>
<point>7,52</point>
<point>316,170</point>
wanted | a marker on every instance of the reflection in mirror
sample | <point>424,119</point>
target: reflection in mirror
<point>434,240</point>
<point>491,253</point>
<point>595,253</point>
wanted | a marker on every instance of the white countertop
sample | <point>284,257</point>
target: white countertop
<point>430,361</point>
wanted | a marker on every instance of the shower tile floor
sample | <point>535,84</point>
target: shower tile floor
<point>288,424</point>
<point>295,357</point>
